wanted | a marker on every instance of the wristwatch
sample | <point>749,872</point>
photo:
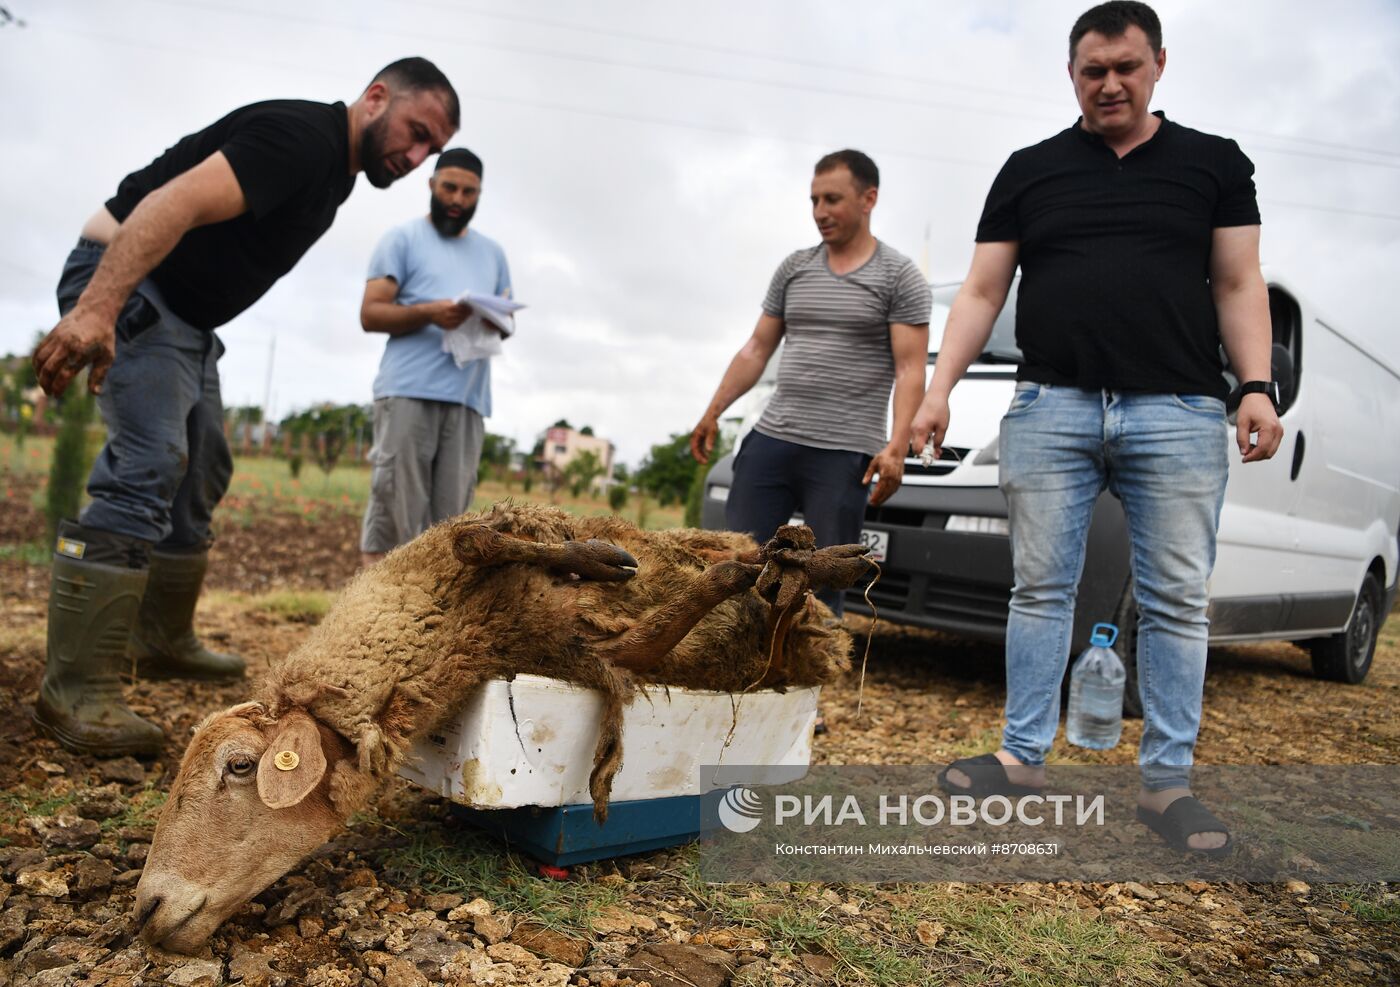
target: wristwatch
<point>1269,387</point>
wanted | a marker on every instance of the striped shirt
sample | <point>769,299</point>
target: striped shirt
<point>837,368</point>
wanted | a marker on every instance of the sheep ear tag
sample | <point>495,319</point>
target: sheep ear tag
<point>293,763</point>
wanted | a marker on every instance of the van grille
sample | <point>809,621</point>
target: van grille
<point>975,608</point>
<point>976,602</point>
<point>946,463</point>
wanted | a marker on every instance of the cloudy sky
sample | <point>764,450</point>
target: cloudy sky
<point>647,163</point>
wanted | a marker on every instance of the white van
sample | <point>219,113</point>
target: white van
<point>1308,540</point>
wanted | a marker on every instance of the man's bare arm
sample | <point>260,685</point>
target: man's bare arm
<point>1242,312</point>
<point>380,313</point>
<point>743,372</point>
<point>207,193</point>
<point>909,344</point>
<point>970,322</point>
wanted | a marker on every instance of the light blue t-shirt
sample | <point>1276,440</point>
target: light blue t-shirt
<point>430,267</point>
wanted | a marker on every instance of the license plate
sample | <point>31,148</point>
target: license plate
<point>878,542</point>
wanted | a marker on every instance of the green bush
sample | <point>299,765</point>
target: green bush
<point>617,497</point>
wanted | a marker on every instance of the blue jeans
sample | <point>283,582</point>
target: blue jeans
<point>774,478</point>
<point>1165,456</point>
<point>166,464</point>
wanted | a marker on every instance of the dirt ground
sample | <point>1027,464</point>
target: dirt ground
<point>357,913</point>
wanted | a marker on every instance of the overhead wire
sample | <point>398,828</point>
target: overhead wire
<point>614,62</point>
<point>824,65</point>
<point>647,119</point>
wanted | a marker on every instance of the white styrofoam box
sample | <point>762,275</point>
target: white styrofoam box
<point>530,741</point>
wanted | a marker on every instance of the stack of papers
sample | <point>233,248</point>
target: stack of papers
<point>479,338</point>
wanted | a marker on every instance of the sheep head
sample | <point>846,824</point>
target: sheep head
<point>255,794</point>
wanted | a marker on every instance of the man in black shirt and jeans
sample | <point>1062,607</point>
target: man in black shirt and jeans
<point>1138,242</point>
<point>186,244</point>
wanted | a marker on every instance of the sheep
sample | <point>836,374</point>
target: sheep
<point>518,588</point>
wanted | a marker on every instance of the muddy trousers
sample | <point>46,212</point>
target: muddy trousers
<point>166,464</point>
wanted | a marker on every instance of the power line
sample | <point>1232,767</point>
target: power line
<point>1393,217</point>
<point>825,66</point>
<point>523,101</point>
<point>610,62</point>
<point>630,117</point>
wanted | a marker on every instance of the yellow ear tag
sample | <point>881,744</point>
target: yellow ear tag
<point>286,760</point>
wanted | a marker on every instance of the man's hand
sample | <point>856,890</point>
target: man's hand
<point>1256,414</point>
<point>80,338</point>
<point>930,422</point>
<point>448,314</point>
<point>889,464</point>
<point>702,438</point>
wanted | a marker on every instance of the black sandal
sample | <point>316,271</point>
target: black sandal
<point>987,776</point>
<point>1183,819</point>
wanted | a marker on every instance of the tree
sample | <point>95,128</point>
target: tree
<point>244,414</point>
<point>695,498</point>
<point>17,382</point>
<point>586,430</point>
<point>327,430</point>
<point>668,470</point>
<point>71,460</point>
<point>561,423</point>
<point>582,470</point>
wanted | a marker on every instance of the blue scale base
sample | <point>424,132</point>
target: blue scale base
<point>565,835</point>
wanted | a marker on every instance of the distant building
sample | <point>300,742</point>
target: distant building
<point>563,445</point>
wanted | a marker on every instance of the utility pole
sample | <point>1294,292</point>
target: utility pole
<point>267,385</point>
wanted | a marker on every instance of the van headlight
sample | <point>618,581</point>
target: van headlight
<point>990,454</point>
<point>719,492</point>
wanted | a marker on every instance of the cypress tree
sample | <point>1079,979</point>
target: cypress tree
<point>71,455</point>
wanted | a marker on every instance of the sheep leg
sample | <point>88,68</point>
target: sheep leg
<point>483,547</point>
<point>835,567</point>
<point>651,638</point>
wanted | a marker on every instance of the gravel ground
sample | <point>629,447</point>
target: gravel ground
<point>371,906</point>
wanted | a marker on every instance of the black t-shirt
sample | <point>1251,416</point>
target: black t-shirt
<point>292,160</point>
<point>1115,256</point>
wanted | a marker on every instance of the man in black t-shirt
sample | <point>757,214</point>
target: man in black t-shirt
<point>1138,243</point>
<point>186,244</point>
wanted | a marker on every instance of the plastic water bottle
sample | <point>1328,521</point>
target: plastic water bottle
<point>1095,716</point>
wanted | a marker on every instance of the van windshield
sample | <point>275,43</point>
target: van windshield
<point>1000,348</point>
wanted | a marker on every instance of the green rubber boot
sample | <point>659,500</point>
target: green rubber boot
<point>92,607</point>
<point>164,644</point>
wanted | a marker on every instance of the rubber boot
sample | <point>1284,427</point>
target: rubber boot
<point>92,607</point>
<point>164,644</point>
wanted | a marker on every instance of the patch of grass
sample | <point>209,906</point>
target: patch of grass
<point>29,552</point>
<point>266,483</point>
<point>19,803</point>
<point>303,605</point>
<point>473,865</point>
<point>979,743</point>
<point>1010,942</point>
<point>932,934</point>
<point>30,460</point>
<point>1368,902</point>
<point>141,810</point>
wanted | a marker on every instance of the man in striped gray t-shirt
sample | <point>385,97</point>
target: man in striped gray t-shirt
<point>855,314</point>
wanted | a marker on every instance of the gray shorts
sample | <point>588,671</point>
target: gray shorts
<point>423,468</point>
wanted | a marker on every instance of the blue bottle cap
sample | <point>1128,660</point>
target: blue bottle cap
<point>1103,635</point>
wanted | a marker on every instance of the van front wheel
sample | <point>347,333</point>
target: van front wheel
<point>1346,656</point>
